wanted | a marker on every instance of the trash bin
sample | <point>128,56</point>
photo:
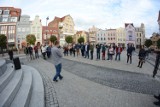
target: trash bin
<point>17,64</point>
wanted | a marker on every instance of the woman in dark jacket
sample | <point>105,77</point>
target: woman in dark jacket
<point>141,55</point>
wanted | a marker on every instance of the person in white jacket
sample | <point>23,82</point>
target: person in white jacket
<point>43,48</point>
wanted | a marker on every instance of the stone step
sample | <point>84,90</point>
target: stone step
<point>23,96</point>
<point>37,98</point>
<point>3,66</point>
<point>7,76</point>
<point>10,91</point>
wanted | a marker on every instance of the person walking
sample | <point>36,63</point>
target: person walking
<point>57,57</point>
<point>118,52</point>
<point>129,53</point>
<point>141,55</point>
<point>91,51</point>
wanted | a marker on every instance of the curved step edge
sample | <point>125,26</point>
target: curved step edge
<point>37,99</point>
<point>23,96</point>
<point>7,76</point>
<point>10,91</point>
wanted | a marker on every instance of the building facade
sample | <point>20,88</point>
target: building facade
<point>65,26</point>
<point>140,35</point>
<point>8,19</point>
<point>92,34</point>
<point>22,29</point>
<point>79,34</point>
<point>130,34</point>
<point>101,36</point>
<point>121,36</point>
<point>47,32</point>
<point>36,29</point>
<point>111,37</point>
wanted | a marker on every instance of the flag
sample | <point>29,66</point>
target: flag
<point>47,18</point>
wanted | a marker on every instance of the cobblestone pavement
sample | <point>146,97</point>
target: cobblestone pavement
<point>124,80</point>
<point>75,91</point>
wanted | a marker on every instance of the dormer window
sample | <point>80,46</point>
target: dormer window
<point>6,12</point>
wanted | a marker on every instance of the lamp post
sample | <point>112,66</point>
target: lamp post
<point>60,26</point>
<point>46,27</point>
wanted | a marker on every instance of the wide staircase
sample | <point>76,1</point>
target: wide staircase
<point>20,88</point>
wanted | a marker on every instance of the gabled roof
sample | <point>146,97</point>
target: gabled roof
<point>159,16</point>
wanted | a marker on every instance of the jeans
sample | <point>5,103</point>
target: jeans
<point>36,55</point>
<point>129,57</point>
<point>58,71</point>
<point>119,55</point>
<point>91,54</point>
<point>98,55</point>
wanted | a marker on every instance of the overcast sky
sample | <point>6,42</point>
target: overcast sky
<point>101,13</point>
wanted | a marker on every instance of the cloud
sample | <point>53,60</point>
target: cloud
<point>101,13</point>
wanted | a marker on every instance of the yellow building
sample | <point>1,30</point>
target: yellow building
<point>65,25</point>
<point>79,34</point>
<point>121,36</point>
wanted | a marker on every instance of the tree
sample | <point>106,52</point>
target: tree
<point>158,43</point>
<point>69,39</point>
<point>53,39</point>
<point>81,40</point>
<point>31,39</point>
<point>148,43</point>
<point>3,42</point>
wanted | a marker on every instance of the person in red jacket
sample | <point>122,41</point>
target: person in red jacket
<point>118,52</point>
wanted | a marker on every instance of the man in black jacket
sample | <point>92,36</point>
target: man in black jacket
<point>10,53</point>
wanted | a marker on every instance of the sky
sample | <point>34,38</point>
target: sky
<point>103,14</point>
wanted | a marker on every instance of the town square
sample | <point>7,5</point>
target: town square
<point>74,53</point>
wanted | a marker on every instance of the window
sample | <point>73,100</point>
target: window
<point>13,19</point>
<point>140,34</point>
<point>98,38</point>
<point>6,12</point>
<point>38,36</point>
<point>101,38</point>
<point>5,19</point>
<point>104,38</point>
<point>108,38</point>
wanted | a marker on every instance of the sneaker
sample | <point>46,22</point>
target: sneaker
<point>157,103</point>
<point>61,78</point>
<point>157,97</point>
<point>55,80</point>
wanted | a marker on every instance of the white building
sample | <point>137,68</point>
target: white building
<point>36,29</point>
<point>101,36</point>
<point>23,29</point>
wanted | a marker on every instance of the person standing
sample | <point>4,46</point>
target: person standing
<point>36,52</point>
<point>87,50</point>
<point>103,52</point>
<point>98,47</point>
<point>43,49</point>
<point>74,50</point>
<point>91,51</point>
<point>48,51</point>
<point>57,57</point>
<point>30,49</point>
<point>118,52</point>
<point>141,57</point>
<point>156,67</point>
<point>10,53</point>
<point>111,53</point>
<point>82,49</point>
<point>129,53</point>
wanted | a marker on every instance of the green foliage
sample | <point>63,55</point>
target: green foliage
<point>148,43</point>
<point>69,39</point>
<point>3,41</point>
<point>31,39</point>
<point>53,38</point>
<point>81,40</point>
<point>158,43</point>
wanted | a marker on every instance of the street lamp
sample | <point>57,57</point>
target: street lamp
<point>60,26</point>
